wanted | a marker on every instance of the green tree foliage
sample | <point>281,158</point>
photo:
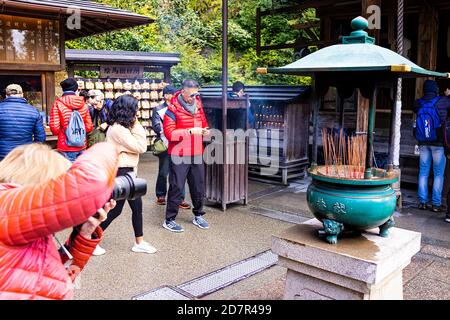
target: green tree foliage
<point>193,28</point>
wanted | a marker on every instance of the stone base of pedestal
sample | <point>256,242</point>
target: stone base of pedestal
<point>362,267</point>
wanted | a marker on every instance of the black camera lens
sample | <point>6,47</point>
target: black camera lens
<point>127,187</point>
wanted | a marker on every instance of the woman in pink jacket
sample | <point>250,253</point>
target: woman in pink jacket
<point>39,197</point>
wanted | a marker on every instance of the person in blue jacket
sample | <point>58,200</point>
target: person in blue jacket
<point>239,92</point>
<point>20,123</point>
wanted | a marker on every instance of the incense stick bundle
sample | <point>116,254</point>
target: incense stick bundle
<point>344,155</point>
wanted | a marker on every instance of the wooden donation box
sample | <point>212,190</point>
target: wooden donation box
<point>227,181</point>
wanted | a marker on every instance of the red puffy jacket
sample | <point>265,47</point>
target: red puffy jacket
<point>30,265</point>
<point>60,116</point>
<point>177,122</point>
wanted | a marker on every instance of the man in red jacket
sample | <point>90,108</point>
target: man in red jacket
<point>60,115</point>
<point>185,126</point>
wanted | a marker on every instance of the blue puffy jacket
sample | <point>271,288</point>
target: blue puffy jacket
<point>20,123</point>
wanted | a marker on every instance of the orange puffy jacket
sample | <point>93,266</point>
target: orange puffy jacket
<point>30,265</point>
<point>60,116</point>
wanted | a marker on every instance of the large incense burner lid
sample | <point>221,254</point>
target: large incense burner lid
<point>356,52</point>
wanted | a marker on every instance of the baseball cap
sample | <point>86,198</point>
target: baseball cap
<point>94,93</point>
<point>13,89</point>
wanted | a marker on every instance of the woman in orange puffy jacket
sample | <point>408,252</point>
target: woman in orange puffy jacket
<point>39,197</point>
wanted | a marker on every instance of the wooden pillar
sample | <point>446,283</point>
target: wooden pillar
<point>48,91</point>
<point>325,28</point>
<point>225,101</point>
<point>427,42</point>
<point>363,103</point>
<point>71,70</point>
<point>370,139</point>
<point>362,116</point>
<point>317,102</point>
<point>167,75</point>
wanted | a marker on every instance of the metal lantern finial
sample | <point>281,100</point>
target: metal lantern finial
<point>359,24</point>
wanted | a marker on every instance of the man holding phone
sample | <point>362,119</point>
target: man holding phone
<point>185,126</point>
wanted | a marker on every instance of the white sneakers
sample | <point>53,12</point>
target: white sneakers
<point>99,251</point>
<point>143,247</point>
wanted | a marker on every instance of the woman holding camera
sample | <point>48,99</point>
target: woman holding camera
<point>128,135</point>
<point>42,193</point>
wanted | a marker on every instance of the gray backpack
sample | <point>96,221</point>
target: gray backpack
<point>76,130</point>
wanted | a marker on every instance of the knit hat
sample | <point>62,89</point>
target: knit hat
<point>430,86</point>
<point>69,85</point>
<point>169,90</point>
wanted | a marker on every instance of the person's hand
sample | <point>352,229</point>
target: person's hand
<point>196,131</point>
<point>205,131</point>
<point>104,126</point>
<point>88,228</point>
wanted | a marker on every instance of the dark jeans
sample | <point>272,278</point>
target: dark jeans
<point>72,155</point>
<point>136,209</point>
<point>161,181</point>
<point>195,176</point>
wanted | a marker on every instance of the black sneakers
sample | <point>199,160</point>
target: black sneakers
<point>423,206</point>
<point>447,218</point>
<point>433,208</point>
<point>438,208</point>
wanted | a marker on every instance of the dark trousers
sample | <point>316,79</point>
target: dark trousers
<point>136,209</point>
<point>72,155</point>
<point>447,182</point>
<point>163,172</point>
<point>195,175</point>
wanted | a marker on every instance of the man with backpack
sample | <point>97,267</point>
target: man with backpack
<point>70,121</point>
<point>431,111</point>
<point>447,150</point>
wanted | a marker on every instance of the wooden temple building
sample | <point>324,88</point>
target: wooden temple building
<point>33,35</point>
<point>417,29</point>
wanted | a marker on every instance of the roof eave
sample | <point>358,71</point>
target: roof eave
<point>44,8</point>
<point>401,72</point>
<point>124,19</point>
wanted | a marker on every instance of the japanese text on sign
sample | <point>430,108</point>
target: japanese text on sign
<point>121,71</point>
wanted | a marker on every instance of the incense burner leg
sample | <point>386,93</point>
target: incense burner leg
<point>384,229</point>
<point>331,230</point>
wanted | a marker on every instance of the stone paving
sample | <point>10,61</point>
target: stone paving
<point>237,234</point>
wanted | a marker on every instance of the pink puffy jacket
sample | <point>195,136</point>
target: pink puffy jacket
<point>30,265</point>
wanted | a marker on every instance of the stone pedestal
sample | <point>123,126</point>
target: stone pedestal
<point>360,267</point>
